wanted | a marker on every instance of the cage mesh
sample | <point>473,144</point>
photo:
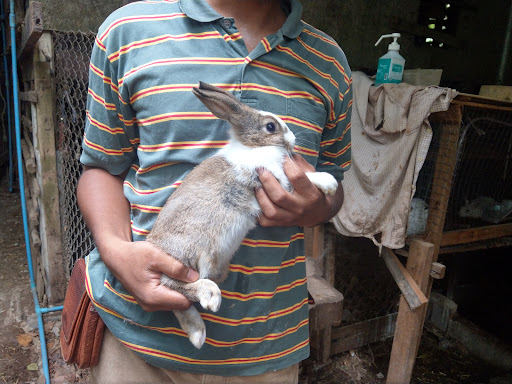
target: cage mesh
<point>72,51</point>
<point>369,290</point>
<point>481,192</point>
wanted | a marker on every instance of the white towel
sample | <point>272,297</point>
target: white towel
<point>391,136</point>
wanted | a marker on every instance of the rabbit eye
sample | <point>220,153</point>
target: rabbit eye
<point>271,127</point>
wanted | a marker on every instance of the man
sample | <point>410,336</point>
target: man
<point>146,131</point>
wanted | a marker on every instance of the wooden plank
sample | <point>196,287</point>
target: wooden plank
<point>410,290</point>
<point>472,235</point>
<point>500,92</point>
<point>29,96</point>
<point>324,314</point>
<point>32,30</point>
<point>471,247</point>
<point>43,114</point>
<point>437,271</point>
<point>409,324</point>
<point>318,241</point>
<point>363,333</point>
<point>443,176</point>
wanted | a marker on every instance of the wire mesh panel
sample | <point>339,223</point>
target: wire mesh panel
<point>481,191</point>
<point>482,188</point>
<point>368,288</point>
<point>72,52</point>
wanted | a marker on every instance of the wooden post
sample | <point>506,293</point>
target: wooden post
<point>423,253</point>
<point>409,323</point>
<point>44,145</point>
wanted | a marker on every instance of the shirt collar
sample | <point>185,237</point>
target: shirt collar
<point>202,12</point>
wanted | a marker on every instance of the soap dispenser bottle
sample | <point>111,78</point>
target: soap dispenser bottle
<point>391,66</point>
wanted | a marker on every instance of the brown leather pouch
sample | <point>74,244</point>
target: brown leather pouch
<point>82,328</point>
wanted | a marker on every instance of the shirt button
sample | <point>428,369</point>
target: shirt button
<point>227,23</point>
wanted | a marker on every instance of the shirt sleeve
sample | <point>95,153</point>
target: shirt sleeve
<point>335,146</point>
<point>111,136</point>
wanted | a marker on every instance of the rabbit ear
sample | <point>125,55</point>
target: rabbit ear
<point>221,103</point>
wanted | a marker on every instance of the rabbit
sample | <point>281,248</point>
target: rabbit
<point>475,208</point>
<point>204,221</point>
<point>418,215</point>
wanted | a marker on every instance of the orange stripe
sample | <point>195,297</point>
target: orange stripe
<point>150,191</point>
<point>327,58</point>
<point>253,320</point>
<point>266,44</point>
<point>177,116</point>
<point>263,295</point>
<point>171,356</point>
<point>187,61</point>
<point>257,340</point>
<point>318,36</point>
<point>114,152</point>
<point>182,145</point>
<point>263,269</point>
<point>286,72</point>
<point>302,123</point>
<point>339,153</point>
<point>306,62</point>
<point>305,151</point>
<point>129,298</point>
<point>135,19</point>
<point>162,39</point>
<point>141,170</point>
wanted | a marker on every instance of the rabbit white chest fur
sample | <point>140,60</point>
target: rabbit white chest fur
<point>204,221</point>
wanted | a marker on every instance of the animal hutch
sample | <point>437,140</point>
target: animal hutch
<point>466,185</point>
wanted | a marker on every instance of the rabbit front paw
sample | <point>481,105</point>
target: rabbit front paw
<point>209,295</point>
<point>323,181</point>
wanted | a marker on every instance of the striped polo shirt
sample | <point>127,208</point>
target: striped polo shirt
<point>143,117</point>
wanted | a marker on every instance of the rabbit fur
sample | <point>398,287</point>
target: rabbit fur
<point>205,220</point>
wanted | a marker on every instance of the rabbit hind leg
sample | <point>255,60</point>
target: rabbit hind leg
<point>204,291</point>
<point>192,323</point>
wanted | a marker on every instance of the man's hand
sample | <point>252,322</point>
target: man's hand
<point>306,206</point>
<point>139,265</point>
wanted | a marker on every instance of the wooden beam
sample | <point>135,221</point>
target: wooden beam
<point>363,333</point>
<point>43,114</point>
<point>409,323</point>
<point>410,290</point>
<point>318,241</point>
<point>472,235</point>
<point>32,30</point>
<point>437,271</point>
<point>443,175</point>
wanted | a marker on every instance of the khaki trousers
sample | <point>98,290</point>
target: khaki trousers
<point>120,365</point>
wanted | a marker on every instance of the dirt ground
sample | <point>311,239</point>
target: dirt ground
<point>439,361</point>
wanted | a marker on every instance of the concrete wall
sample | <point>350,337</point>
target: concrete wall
<point>77,15</point>
<point>357,25</point>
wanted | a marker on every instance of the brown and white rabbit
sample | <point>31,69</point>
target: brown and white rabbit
<point>204,221</point>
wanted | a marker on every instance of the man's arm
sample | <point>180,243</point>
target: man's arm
<point>137,265</point>
<point>306,206</point>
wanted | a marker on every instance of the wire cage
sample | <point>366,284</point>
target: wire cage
<point>72,52</point>
<point>481,184</point>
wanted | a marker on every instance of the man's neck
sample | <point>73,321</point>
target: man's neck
<point>255,19</point>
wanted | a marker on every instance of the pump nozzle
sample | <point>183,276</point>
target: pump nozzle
<point>394,46</point>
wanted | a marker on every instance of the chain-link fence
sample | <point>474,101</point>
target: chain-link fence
<point>72,52</point>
